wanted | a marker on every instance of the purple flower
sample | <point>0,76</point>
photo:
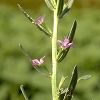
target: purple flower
<point>66,43</point>
<point>37,62</point>
<point>40,20</point>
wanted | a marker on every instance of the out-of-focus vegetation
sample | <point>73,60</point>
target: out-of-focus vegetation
<point>15,69</point>
<point>36,4</point>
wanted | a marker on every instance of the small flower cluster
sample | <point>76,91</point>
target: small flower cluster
<point>64,44</point>
<point>37,62</point>
<point>40,19</point>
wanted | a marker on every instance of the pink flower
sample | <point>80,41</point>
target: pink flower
<point>37,62</point>
<point>66,43</point>
<point>40,20</point>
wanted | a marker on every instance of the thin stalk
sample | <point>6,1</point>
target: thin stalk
<point>24,94</point>
<point>54,57</point>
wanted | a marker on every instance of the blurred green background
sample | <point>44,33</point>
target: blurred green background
<point>15,69</point>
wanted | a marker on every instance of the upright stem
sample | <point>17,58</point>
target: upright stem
<point>54,57</point>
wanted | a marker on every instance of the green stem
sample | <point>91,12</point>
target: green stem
<point>54,57</point>
<point>24,94</point>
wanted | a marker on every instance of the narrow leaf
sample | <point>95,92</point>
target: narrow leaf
<point>72,31</point>
<point>72,85</point>
<point>45,68</point>
<point>53,2</point>
<point>85,77</point>
<point>62,81</point>
<point>29,58</point>
<point>30,18</point>
<point>60,4</point>
<point>39,26</point>
<point>23,92</point>
<point>49,4</point>
<point>46,29</point>
<point>66,9</point>
<point>63,52</point>
<point>70,2</point>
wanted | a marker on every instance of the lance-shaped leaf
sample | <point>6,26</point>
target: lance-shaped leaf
<point>47,29</point>
<point>31,61</point>
<point>62,81</point>
<point>63,52</point>
<point>50,4</point>
<point>69,93</point>
<point>66,8</point>
<point>23,92</point>
<point>40,25</point>
<point>60,4</point>
<point>72,31</point>
<point>85,77</point>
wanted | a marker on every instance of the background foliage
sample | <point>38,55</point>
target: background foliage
<point>15,68</point>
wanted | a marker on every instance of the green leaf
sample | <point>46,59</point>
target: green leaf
<point>45,68</point>
<point>69,93</point>
<point>62,81</point>
<point>60,4</point>
<point>41,27</point>
<point>85,77</point>
<point>69,4</point>
<point>50,4</point>
<point>63,52</point>
<point>72,31</point>
<point>66,9</point>
<point>29,58</point>
<point>46,29</point>
<point>23,92</point>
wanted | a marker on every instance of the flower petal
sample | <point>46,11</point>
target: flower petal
<point>66,43</point>
<point>35,62</point>
<point>73,46</point>
<point>60,42</point>
<point>42,60</point>
<point>69,44</point>
<point>40,20</point>
<point>66,40</point>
